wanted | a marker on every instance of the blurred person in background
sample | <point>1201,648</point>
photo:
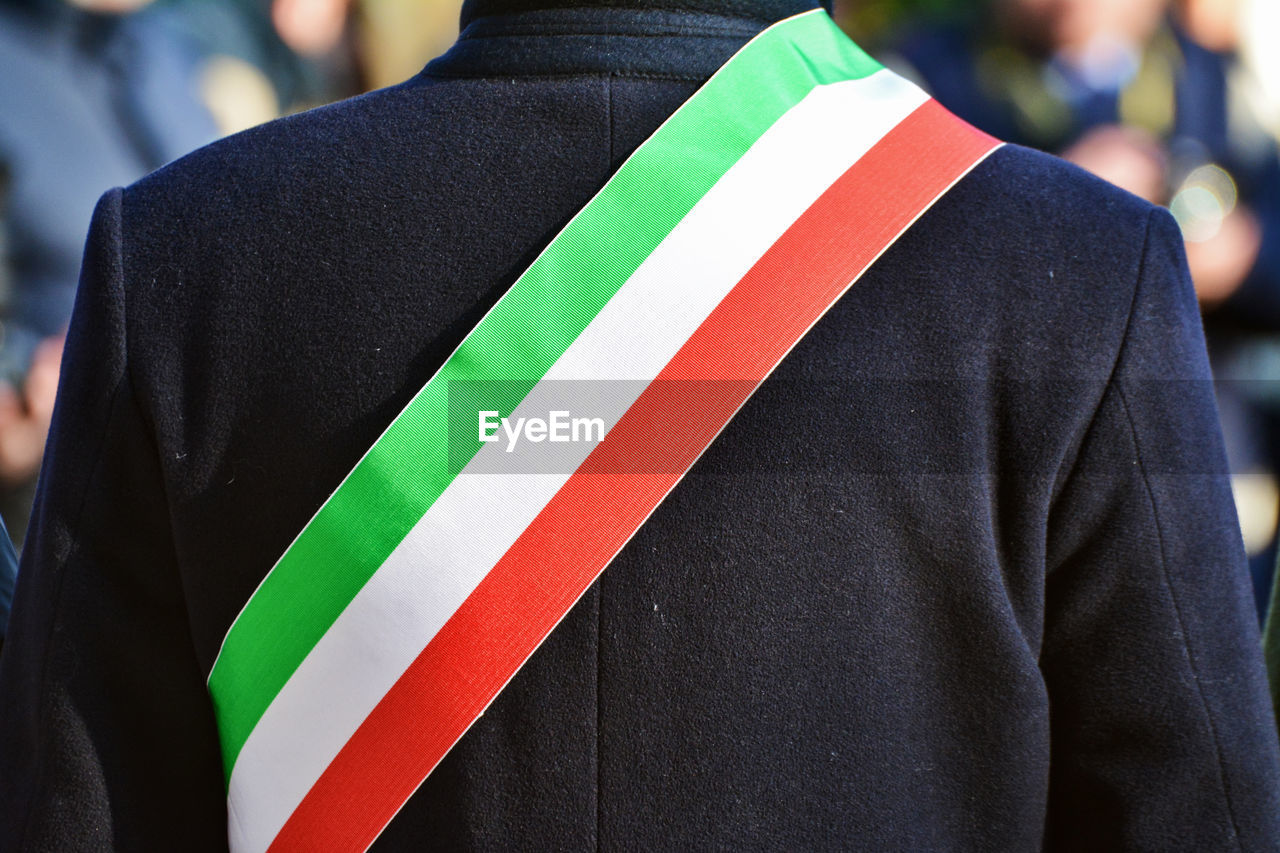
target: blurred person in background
<point>261,59</point>
<point>1118,87</point>
<point>266,58</point>
<point>93,97</point>
<point>394,36</point>
<point>1148,95</point>
<point>107,90</point>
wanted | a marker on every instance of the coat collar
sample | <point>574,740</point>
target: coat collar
<point>684,39</point>
<point>760,11</point>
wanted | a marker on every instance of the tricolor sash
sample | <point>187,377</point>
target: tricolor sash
<point>440,564</point>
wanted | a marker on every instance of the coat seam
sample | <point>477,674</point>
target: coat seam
<point>1115,364</point>
<point>42,691</point>
<point>599,585</point>
<point>1177,611</point>
<point>148,420</point>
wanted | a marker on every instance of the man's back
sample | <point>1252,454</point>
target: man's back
<point>962,575</point>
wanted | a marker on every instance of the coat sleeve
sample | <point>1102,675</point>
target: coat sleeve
<point>107,738</point>
<point>1162,732</point>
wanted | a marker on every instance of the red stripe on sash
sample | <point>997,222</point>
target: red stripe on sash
<point>560,555</point>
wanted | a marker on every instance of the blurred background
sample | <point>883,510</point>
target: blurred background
<point>1177,101</point>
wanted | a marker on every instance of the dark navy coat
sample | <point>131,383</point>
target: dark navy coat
<point>964,574</point>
